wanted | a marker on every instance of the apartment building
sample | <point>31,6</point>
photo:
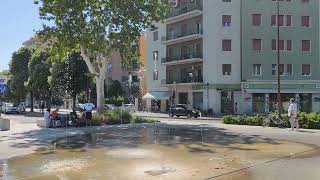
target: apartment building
<point>215,54</point>
<point>299,56</point>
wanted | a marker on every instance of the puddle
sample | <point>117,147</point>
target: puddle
<point>155,152</point>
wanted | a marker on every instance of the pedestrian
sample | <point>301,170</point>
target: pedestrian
<point>293,114</point>
<point>88,107</point>
<point>235,108</point>
<point>42,107</point>
<point>47,118</point>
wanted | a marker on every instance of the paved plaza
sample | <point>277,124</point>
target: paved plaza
<point>173,149</point>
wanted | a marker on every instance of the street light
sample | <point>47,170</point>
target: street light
<point>278,62</point>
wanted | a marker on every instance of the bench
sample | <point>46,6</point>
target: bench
<point>4,124</point>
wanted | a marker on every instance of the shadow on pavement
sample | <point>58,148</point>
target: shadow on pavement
<point>136,135</point>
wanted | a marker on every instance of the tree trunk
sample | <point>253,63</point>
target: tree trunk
<point>74,99</point>
<point>31,100</point>
<point>100,94</point>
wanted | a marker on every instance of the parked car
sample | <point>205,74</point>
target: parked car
<point>110,106</point>
<point>10,108</point>
<point>182,110</point>
<point>129,107</point>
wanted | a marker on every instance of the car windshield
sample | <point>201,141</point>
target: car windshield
<point>9,105</point>
<point>182,106</point>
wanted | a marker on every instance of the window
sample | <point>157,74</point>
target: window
<point>289,70</point>
<point>226,0</point>
<point>279,20</point>
<point>273,20</point>
<point>275,70</point>
<point>305,21</point>
<point>305,1</point>
<point>256,44</point>
<point>155,36</point>
<point>226,45</point>
<point>155,55</point>
<point>257,70</point>
<point>256,19</point>
<point>289,45</point>
<point>289,20</point>
<point>274,45</point>
<point>226,20</point>
<point>305,45</point>
<point>306,71</point>
<point>226,69</point>
<point>281,69</point>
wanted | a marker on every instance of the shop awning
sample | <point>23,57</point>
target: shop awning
<point>157,95</point>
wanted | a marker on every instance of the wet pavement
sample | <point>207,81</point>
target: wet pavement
<point>163,151</point>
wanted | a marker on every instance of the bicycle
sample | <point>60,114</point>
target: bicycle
<point>272,117</point>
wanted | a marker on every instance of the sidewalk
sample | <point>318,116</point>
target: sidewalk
<point>166,116</point>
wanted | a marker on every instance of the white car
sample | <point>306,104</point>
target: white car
<point>10,108</point>
<point>129,107</point>
<point>110,106</point>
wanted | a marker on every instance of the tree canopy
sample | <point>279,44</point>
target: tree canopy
<point>19,73</point>
<point>98,27</point>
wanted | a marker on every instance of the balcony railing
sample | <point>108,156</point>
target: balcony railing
<point>196,79</point>
<point>174,35</point>
<point>183,10</point>
<point>182,57</point>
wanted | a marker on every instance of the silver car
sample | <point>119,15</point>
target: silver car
<point>10,108</point>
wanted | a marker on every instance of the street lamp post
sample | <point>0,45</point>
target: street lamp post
<point>278,62</point>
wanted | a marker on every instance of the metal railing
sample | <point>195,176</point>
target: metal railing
<point>175,35</point>
<point>182,57</point>
<point>187,79</point>
<point>183,10</point>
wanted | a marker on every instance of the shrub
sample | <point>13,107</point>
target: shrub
<point>97,120</point>
<point>138,120</point>
<point>115,116</point>
<point>306,120</point>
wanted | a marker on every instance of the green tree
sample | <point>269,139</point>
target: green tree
<point>99,27</point>
<point>70,76</point>
<point>19,74</point>
<point>39,72</point>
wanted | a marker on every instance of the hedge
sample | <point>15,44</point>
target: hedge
<point>306,120</point>
<point>113,117</point>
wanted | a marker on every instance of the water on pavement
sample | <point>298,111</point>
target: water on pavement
<point>153,152</point>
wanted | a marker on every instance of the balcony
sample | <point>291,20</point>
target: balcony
<point>184,58</point>
<point>173,37</point>
<point>183,13</point>
<point>186,80</point>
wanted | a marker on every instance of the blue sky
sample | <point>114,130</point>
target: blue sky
<point>19,19</point>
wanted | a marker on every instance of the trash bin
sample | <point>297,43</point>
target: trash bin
<point>4,124</point>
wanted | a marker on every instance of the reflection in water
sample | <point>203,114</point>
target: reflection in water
<point>148,152</point>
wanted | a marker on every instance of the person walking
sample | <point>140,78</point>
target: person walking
<point>235,108</point>
<point>293,115</point>
<point>88,107</point>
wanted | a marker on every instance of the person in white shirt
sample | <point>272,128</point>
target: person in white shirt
<point>88,107</point>
<point>47,118</point>
<point>293,114</point>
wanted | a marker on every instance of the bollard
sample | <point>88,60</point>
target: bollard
<point>4,124</point>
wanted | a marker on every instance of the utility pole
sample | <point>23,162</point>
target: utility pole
<point>278,62</point>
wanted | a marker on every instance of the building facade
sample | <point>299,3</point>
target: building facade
<point>221,55</point>
<point>299,56</point>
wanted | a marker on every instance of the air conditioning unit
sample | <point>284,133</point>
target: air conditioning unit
<point>175,3</point>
